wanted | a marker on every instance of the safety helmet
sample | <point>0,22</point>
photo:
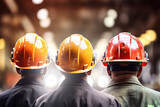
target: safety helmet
<point>30,52</point>
<point>75,55</point>
<point>125,47</point>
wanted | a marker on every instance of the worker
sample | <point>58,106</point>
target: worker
<point>125,57</point>
<point>75,59</point>
<point>30,58</point>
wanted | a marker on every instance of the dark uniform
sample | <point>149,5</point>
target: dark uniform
<point>23,94</point>
<point>76,93</point>
<point>131,93</point>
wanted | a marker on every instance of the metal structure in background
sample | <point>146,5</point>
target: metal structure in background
<point>98,20</point>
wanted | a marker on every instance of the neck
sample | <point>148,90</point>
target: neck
<point>76,78</point>
<point>40,77</point>
<point>85,78</point>
<point>122,77</point>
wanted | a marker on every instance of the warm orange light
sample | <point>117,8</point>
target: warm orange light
<point>148,37</point>
<point>11,79</point>
<point>152,35</point>
<point>2,43</point>
<point>144,42</point>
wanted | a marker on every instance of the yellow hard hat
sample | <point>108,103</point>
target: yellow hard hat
<point>75,55</point>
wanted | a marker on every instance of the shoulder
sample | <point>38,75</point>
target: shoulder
<point>45,98</point>
<point>11,95</point>
<point>102,94</point>
<point>15,92</point>
<point>105,90</point>
<point>89,97</point>
<point>39,89</point>
<point>151,91</point>
<point>103,97</point>
<point>6,93</point>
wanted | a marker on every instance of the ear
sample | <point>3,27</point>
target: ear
<point>56,58</point>
<point>89,72</point>
<point>108,71</point>
<point>18,71</point>
<point>45,70</point>
<point>139,72</point>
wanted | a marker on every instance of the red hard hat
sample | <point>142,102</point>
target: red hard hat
<point>125,47</point>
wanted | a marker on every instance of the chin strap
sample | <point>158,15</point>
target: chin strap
<point>117,67</point>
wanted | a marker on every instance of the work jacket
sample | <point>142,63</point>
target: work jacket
<point>76,93</point>
<point>131,93</point>
<point>23,94</point>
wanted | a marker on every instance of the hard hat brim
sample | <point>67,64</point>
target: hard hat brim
<point>76,71</point>
<point>144,62</point>
<point>30,67</point>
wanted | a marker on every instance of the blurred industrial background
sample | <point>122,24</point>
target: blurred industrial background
<point>97,20</point>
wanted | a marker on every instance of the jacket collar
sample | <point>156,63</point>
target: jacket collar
<point>29,81</point>
<point>132,80</point>
<point>74,82</point>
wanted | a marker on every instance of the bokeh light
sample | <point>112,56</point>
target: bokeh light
<point>148,37</point>
<point>42,14</point>
<point>61,79</point>
<point>50,81</point>
<point>103,81</point>
<point>90,80</point>
<point>112,13</point>
<point>109,22</point>
<point>2,43</point>
<point>45,22</point>
<point>152,34</point>
<point>37,1</point>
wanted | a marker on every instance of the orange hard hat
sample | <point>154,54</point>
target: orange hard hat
<point>125,47</point>
<point>30,52</point>
<point>75,55</point>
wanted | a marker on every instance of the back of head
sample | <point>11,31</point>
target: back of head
<point>75,56</point>
<point>124,53</point>
<point>30,55</point>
